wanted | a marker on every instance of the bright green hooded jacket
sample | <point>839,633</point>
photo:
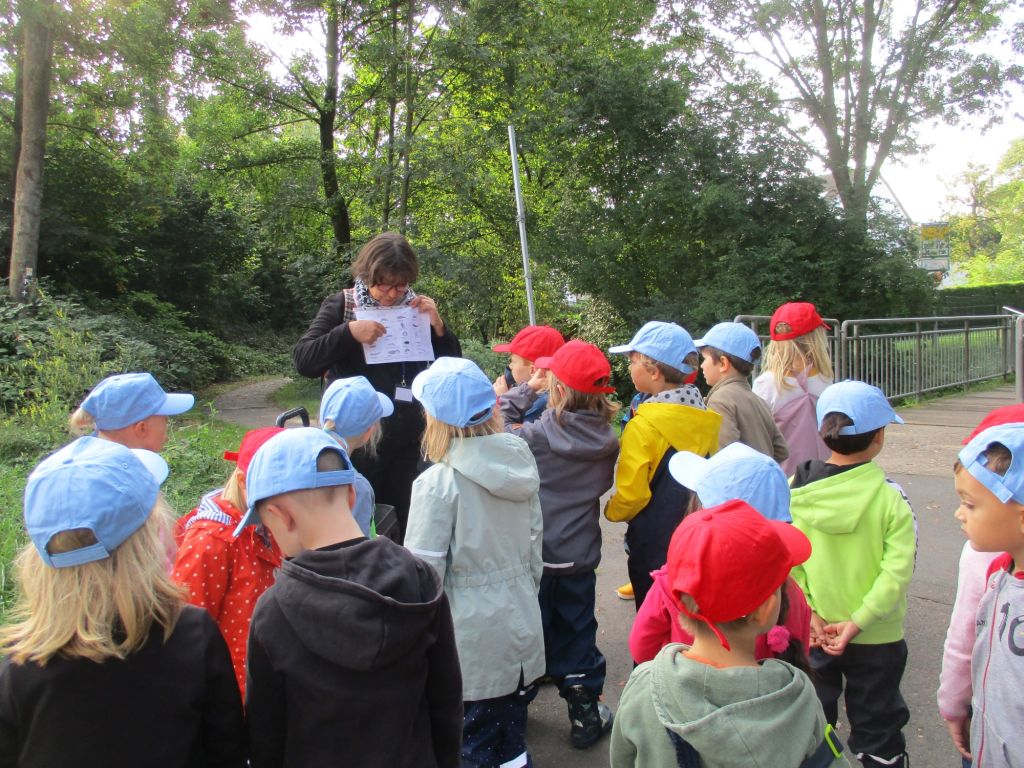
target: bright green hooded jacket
<point>863,542</point>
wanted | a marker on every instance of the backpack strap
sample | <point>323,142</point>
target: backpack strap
<point>828,752</point>
<point>686,755</point>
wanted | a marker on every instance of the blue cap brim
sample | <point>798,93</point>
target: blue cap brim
<point>622,348</point>
<point>154,464</point>
<point>175,404</point>
<point>386,405</point>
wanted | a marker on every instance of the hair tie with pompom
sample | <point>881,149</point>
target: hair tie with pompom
<point>778,639</point>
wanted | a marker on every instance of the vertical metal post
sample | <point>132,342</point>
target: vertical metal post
<point>1004,342</point>
<point>1018,357</point>
<point>521,218</point>
<point>918,361</point>
<point>967,353</point>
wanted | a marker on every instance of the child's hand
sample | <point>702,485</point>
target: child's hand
<point>960,732</point>
<point>839,636</point>
<point>539,381</point>
<point>500,385</point>
<point>817,631</point>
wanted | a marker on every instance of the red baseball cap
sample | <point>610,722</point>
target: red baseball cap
<point>1006,414</point>
<point>730,559</point>
<point>580,365</point>
<point>533,342</point>
<point>801,316</point>
<point>251,442</point>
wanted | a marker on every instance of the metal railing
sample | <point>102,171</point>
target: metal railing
<point>906,356</point>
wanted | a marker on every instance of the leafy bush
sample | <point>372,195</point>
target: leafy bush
<point>492,363</point>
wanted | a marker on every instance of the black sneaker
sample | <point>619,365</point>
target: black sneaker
<point>589,717</point>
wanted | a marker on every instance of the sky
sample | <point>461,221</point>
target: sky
<point>924,182</point>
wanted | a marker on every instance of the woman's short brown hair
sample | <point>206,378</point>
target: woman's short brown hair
<point>386,258</point>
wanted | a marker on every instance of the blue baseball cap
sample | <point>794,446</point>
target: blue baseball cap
<point>1009,486</point>
<point>354,405</point>
<point>120,400</point>
<point>865,405</point>
<point>735,472</point>
<point>667,343</point>
<point>734,339</point>
<point>287,462</point>
<point>95,484</point>
<point>454,390</point>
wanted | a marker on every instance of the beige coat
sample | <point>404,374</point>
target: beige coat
<point>746,418</point>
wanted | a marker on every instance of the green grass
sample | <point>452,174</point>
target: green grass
<point>299,391</point>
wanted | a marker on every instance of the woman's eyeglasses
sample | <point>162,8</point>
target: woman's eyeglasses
<point>392,287</point>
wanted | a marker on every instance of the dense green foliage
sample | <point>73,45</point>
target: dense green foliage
<point>987,241</point>
<point>190,166</point>
<point>980,299</point>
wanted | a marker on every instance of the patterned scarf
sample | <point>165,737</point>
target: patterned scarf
<point>358,297</point>
<point>364,300</point>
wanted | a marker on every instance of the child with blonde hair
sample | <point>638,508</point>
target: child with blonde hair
<point>476,518</point>
<point>130,409</point>
<point>224,574</point>
<point>796,369</point>
<point>575,448</point>
<point>104,664</point>
<point>350,411</point>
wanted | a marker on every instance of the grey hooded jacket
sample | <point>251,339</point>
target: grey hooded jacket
<point>766,716</point>
<point>475,518</point>
<point>576,454</point>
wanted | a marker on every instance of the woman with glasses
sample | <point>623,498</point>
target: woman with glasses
<point>332,348</point>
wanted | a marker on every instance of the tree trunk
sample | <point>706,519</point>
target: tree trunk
<point>337,207</point>
<point>15,48</point>
<point>37,50</point>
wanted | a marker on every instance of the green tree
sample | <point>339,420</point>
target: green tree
<point>987,240</point>
<point>863,74</point>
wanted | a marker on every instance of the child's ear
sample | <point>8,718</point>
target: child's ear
<point>281,512</point>
<point>240,479</point>
<point>767,613</point>
<point>879,438</point>
<point>352,496</point>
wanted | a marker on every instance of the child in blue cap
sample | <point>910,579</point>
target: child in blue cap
<point>989,478</point>
<point>104,664</point>
<point>354,642</point>
<point>476,518</point>
<point>673,418</point>
<point>350,411</point>
<point>729,351</point>
<point>130,409</point>
<point>864,540</point>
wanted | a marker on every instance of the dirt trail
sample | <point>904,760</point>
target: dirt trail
<point>250,405</point>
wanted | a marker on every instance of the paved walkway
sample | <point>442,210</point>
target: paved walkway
<point>918,455</point>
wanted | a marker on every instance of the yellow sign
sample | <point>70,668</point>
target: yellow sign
<point>935,231</point>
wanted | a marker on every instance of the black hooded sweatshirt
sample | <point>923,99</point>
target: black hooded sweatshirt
<point>352,661</point>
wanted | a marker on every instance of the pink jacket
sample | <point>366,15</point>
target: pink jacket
<point>657,623</point>
<point>955,678</point>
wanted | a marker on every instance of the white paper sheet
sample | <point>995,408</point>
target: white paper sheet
<point>407,337</point>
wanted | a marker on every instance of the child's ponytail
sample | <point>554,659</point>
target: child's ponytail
<point>781,642</point>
